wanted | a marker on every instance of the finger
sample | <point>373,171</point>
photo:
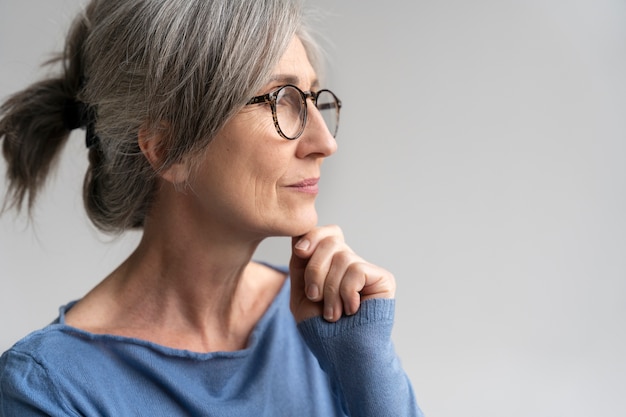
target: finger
<point>379,283</point>
<point>301,251</point>
<point>319,265</point>
<point>363,281</point>
<point>333,300</point>
<point>305,245</point>
<point>354,280</point>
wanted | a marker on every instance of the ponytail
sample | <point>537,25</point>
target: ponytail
<point>34,125</point>
<point>31,124</point>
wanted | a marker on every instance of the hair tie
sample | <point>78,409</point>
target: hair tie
<point>74,113</point>
<point>77,115</point>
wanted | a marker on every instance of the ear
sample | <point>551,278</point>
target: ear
<point>150,141</point>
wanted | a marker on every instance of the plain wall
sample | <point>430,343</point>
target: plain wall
<point>481,159</point>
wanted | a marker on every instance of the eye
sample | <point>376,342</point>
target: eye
<point>288,96</point>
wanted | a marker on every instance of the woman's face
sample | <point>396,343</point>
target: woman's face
<point>255,182</point>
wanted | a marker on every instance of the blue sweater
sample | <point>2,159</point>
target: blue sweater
<point>315,368</point>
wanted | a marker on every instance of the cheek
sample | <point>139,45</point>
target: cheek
<point>250,159</point>
<point>267,170</point>
<point>247,171</point>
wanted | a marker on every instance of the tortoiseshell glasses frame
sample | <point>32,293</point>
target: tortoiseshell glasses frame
<point>289,108</point>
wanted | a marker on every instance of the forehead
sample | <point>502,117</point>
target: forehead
<point>294,66</point>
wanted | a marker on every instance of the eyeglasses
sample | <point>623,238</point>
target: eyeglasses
<point>289,109</point>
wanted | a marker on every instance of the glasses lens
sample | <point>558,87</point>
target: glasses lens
<point>329,109</point>
<point>290,110</point>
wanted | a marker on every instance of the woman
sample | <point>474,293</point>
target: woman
<point>206,126</point>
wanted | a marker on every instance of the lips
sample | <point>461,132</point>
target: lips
<point>309,186</point>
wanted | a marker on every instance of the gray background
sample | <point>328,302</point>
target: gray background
<point>481,160</point>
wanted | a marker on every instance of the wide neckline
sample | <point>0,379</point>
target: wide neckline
<point>282,298</point>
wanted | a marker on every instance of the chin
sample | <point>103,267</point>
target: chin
<point>299,226</point>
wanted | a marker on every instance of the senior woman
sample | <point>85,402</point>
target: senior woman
<point>206,127</point>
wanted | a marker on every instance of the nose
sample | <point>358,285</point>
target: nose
<point>316,138</point>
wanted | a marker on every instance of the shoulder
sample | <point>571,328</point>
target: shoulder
<point>41,348</point>
<point>53,351</point>
<point>26,380</point>
<point>39,343</point>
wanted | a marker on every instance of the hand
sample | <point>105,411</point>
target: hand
<point>328,279</point>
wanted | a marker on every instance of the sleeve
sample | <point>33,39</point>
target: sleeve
<point>26,389</point>
<point>358,355</point>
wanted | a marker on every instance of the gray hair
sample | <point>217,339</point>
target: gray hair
<point>139,63</point>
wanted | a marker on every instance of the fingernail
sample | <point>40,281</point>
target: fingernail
<point>312,292</point>
<point>328,313</point>
<point>303,244</point>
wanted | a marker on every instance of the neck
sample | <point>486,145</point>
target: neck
<point>185,286</point>
<point>203,286</point>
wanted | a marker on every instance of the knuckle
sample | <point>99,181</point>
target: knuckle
<point>335,229</point>
<point>354,278</point>
<point>348,289</point>
<point>314,271</point>
<point>392,283</point>
<point>343,257</point>
<point>330,243</point>
<point>356,268</point>
<point>331,290</point>
<point>388,282</point>
<point>331,230</point>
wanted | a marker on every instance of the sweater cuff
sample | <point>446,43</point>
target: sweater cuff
<point>376,310</point>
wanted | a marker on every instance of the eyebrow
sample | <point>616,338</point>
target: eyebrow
<point>291,79</point>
